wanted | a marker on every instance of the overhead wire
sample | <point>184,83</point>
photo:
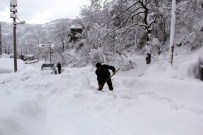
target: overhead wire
<point>19,11</point>
<point>117,15</point>
<point>22,15</point>
<point>115,18</point>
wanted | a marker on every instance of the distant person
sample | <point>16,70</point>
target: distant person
<point>103,75</point>
<point>59,67</point>
<point>148,53</point>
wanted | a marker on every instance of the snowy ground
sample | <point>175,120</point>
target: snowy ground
<point>146,101</point>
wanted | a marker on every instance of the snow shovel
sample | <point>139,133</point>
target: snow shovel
<point>101,86</point>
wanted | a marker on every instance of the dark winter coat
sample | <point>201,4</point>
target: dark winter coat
<point>103,73</point>
<point>59,66</point>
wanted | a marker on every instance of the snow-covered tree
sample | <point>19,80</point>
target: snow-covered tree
<point>60,31</point>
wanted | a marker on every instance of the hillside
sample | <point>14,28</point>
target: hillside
<point>29,35</point>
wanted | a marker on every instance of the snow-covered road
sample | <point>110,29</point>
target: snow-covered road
<point>35,102</point>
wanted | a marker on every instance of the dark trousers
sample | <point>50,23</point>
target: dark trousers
<point>59,70</point>
<point>201,69</point>
<point>148,58</point>
<point>109,83</point>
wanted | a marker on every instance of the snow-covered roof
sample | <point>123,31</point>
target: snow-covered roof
<point>46,45</point>
<point>29,55</point>
<point>76,26</point>
<point>6,33</point>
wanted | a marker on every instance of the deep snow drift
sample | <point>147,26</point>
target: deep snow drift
<point>148,100</point>
<point>6,64</point>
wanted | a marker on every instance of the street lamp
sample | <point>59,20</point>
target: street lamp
<point>13,14</point>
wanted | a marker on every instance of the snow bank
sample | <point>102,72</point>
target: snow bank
<point>21,115</point>
<point>7,65</point>
<point>4,56</point>
<point>160,71</point>
<point>191,69</point>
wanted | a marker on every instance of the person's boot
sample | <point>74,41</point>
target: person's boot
<point>100,88</point>
<point>110,85</point>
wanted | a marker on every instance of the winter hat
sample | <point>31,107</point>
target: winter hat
<point>98,64</point>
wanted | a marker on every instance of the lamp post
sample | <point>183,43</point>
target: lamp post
<point>50,49</point>
<point>13,14</point>
<point>63,46</point>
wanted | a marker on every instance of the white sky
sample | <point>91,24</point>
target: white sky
<point>42,11</point>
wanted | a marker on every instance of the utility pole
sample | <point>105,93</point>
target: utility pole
<point>13,10</point>
<point>0,40</point>
<point>13,14</point>
<point>14,45</point>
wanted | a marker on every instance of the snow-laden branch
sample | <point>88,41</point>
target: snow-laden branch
<point>153,20</point>
<point>121,24</point>
<point>118,15</point>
